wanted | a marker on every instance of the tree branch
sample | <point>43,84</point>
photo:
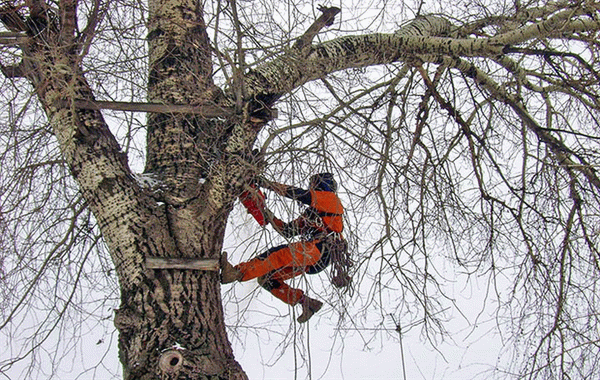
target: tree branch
<point>12,38</point>
<point>562,153</point>
<point>68,20</point>
<point>290,71</point>
<point>421,37</point>
<point>326,19</point>
<point>12,19</point>
<point>206,110</point>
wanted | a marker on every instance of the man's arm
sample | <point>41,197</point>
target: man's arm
<point>292,192</point>
<point>277,223</point>
<point>288,230</point>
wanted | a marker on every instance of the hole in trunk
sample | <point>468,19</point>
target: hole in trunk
<point>170,361</point>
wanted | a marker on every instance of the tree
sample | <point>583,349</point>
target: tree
<point>470,136</point>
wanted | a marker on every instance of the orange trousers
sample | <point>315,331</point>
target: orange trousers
<point>281,263</point>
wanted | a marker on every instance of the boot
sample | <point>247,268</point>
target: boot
<point>229,273</point>
<point>309,307</point>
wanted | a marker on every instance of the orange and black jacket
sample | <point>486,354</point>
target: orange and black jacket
<point>323,215</point>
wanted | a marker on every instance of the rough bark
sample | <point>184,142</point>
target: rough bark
<point>172,324</point>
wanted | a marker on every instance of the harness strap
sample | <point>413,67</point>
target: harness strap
<point>322,213</point>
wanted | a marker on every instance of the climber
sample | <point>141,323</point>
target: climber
<point>320,227</point>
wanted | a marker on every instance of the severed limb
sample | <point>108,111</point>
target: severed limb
<point>326,19</point>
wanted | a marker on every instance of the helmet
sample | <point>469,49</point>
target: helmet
<point>323,182</point>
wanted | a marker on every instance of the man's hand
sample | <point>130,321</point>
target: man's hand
<point>278,224</point>
<point>279,188</point>
<point>268,215</point>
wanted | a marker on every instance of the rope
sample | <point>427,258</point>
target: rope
<point>340,261</point>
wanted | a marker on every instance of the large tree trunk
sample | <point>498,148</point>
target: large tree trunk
<point>170,321</point>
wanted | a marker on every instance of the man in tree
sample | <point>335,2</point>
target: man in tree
<point>320,226</point>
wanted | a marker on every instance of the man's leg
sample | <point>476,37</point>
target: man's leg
<point>274,283</point>
<point>275,266</point>
<point>295,255</point>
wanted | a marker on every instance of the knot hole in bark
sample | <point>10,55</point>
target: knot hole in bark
<point>170,361</point>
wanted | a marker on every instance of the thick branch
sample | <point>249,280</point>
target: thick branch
<point>419,38</point>
<point>180,72</point>
<point>291,71</point>
<point>68,19</point>
<point>123,210</point>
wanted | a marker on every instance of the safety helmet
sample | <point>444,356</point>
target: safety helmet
<point>323,182</point>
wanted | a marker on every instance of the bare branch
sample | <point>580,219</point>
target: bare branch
<point>563,154</point>
<point>208,111</point>
<point>12,38</point>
